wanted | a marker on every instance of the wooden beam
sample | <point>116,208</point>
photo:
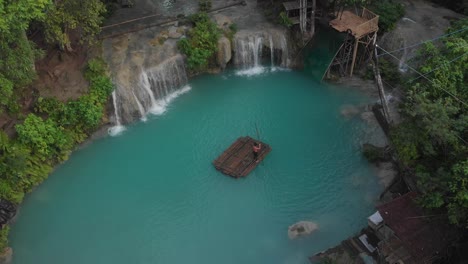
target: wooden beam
<point>356,44</point>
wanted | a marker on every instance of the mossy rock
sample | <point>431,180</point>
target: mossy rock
<point>374,153</point>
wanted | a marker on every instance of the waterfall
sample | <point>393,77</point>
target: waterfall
<point>150,90</point>
<point>284,51</point>
<point>140,107</point>
<point>249,51</point>
<point>118,128</point>
<point>249,47</point>
<point>272,52</point>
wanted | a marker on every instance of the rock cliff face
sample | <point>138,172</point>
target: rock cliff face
<point>147,67</point>
<point>224,54</point>
<point>422,21</point>
<point>7,211</point>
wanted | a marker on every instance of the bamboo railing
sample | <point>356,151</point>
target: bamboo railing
<point>371,25</point>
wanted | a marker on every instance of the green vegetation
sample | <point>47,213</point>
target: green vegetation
<point>17,54</point>
<point>65,16</point>
<point>47,136</point>
<point>4,237</point>
<point>202,42</point>
<point>57,20</point>
<point>389,13</point>
<point>230,32</point>
<point>284,20</point>
<point>389,71</point>
<point>432,141</point>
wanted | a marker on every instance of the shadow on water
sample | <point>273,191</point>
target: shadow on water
<point>320,52</point>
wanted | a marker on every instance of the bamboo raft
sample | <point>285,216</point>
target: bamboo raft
<point>238,160</point>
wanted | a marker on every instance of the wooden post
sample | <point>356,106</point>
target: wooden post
<point>375,67</point>
<point>356,44</point>
<point>312,19</point>
<point>303,15</point>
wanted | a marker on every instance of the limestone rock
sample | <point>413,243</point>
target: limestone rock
<point>174,33</point>
<point>222,21</point>
<point>301,228</point>
<point>6,256</point>
<point>224,52</point>
<point>386,172</point>
<point>349,111</point>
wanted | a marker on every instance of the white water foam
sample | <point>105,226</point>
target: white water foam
<point>259,70</point>
<point>116,130</point>
<point>160,106</point>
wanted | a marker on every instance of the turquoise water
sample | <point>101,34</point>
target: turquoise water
<point>151,195</point>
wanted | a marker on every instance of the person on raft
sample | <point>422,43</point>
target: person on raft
<point>256,149</point>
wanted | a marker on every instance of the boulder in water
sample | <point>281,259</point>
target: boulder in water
<point>349,111</point>
<point>301,228</point>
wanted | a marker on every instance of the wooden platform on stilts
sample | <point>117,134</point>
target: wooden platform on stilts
<point>238,160</point>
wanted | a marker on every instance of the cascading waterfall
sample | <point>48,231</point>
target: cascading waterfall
<point>272,52</point>
<point>140,107</point>
<point>118,128</point>
<point>250,46</point>
<point>248,51</point>
<point>154,88</point>
<point>284,52</point>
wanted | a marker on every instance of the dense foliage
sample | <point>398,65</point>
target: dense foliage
<point>58,19</point>
<point>202,42</point>
<point>17,54</point>
<point>432,141</point>
<point>389,13</point>
<point>65,16</point>
<point>284,20</point>
<point>47,136</point>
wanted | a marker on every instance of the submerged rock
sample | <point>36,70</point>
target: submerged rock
<point>6,256</point>
<point>301,228</point>
<point>349,111</point>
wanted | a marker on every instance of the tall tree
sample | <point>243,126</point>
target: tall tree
<point>433,140</point>
<point>16,52</point>
<point>66,16</point>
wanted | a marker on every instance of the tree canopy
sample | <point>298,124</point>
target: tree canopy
<point>58,18</point>
<point>67,15</point>
<point>433,138</point>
